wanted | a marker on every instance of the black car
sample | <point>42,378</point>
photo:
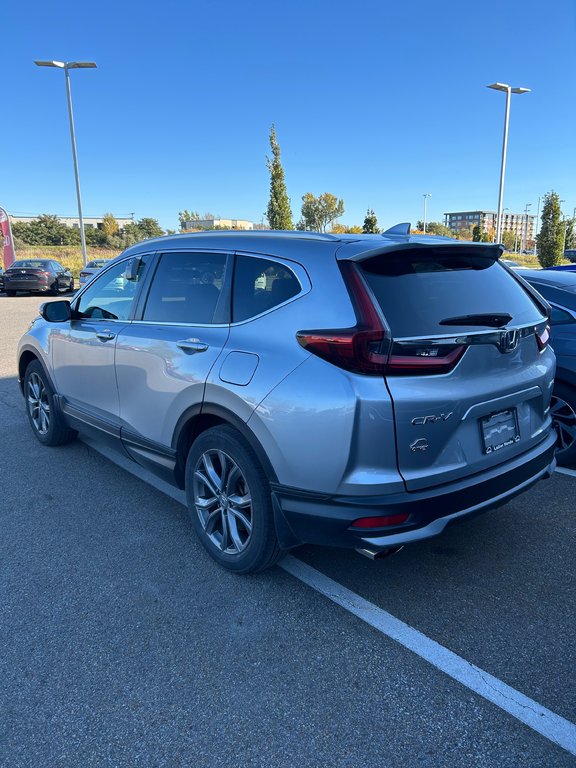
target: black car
<point>1,279</point>
<point>559,289</point>
<point>37,275</point>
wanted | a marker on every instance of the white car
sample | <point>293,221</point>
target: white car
<point>91,268</point>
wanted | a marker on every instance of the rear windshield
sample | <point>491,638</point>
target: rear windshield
<point>418,289</point>
<point>30,264</point>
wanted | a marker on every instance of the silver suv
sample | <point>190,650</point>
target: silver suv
<point>355,391</point>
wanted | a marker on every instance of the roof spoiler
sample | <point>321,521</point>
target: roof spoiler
<point>398,230</point>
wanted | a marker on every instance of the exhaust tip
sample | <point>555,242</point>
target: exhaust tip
<point>378,554</point>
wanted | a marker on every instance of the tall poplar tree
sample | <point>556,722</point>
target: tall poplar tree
<point>278,212</point>
<point>551,235</point>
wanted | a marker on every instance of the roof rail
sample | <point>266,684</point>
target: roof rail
<point>295,233</point>
<point>402,230</point>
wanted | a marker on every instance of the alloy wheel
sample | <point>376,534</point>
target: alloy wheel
<point>565,419</point>
<point>38,404</point>
<point>223,502</point>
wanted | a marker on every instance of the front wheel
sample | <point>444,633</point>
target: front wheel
<point>230,503</point>
<point>45,419</point>
<point>563,412</point>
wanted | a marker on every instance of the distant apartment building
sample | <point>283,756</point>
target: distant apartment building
<point>521,224</point>
<point>90,222</point>
<point>221,223</point>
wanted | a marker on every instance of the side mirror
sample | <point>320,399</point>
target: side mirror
<point>56,311</point>
<point>132,269</point>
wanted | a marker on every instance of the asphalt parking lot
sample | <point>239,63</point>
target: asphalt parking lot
<point>123,644</point>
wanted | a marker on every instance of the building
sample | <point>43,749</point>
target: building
<point>90,222</point>
<point>521,224</point>
<point>221,223</point>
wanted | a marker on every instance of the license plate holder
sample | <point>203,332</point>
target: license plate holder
<point>499,430</point>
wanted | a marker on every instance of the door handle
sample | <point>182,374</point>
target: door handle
<point>105,335</point>
<point>192,345</point>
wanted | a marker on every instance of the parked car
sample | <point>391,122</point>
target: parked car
<point>510,262</point>
<point>348,390</point>
<point>559,289</point>
<point>562,268</point>
<point>1,280</point>
<point>37,275</point>
<point>91,268</point>
<point>570,254</point>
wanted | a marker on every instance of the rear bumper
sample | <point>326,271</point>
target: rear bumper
<point>26,285</point>
<point>303,517</point>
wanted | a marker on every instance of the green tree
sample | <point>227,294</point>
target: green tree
<point>508,239</point>
<point>437,228</point>
<point>95,236</point>
<point>278,212</point>
<point>46,230</point>
<point>185,215</point>
<point>149,228</point>
<point>477,233</point>
<point>570,239</point>
<point>370,225</point>
<point>319,212</point>
<point>109,225</point>
<point>462,234</point>
<point>551,235</point>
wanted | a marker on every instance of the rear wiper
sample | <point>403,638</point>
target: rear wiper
<point>492,320</point>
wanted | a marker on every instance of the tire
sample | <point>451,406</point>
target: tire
<point>563,412</point>
<point>230,503</point>
<point>45,419</point>
<point>53,291</point>
<point>72,286</point>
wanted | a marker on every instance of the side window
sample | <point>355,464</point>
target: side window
<point>259,285</point>
<point>186,288</point>
<point>58,267</point>
<point>110,296</point>
<point>560,317</point>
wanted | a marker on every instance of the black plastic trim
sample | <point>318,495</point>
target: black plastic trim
<point>316,518</point>
<point>33,351</point>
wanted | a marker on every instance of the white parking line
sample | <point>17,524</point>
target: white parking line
<point>566,471</point>
<point>545,722</point>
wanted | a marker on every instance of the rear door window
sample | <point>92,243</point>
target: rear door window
<point>260,285</point>
<point>418,289</point>
<point>186,288</point>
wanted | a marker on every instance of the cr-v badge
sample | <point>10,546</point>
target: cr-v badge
<point>420,421</point>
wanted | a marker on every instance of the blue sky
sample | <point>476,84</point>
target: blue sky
<point>372,101</point>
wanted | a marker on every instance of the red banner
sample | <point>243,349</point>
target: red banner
<point>7,240</point>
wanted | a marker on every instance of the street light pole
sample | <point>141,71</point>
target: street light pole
<point>508,91</point>
<point>536,229</point>
<point>67,66</point>
<point>426,195</point>
<point>525,227</point>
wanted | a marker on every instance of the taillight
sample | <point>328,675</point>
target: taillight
<point>363,348</point>
<point>368,348</point>
<point>542,337</point>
